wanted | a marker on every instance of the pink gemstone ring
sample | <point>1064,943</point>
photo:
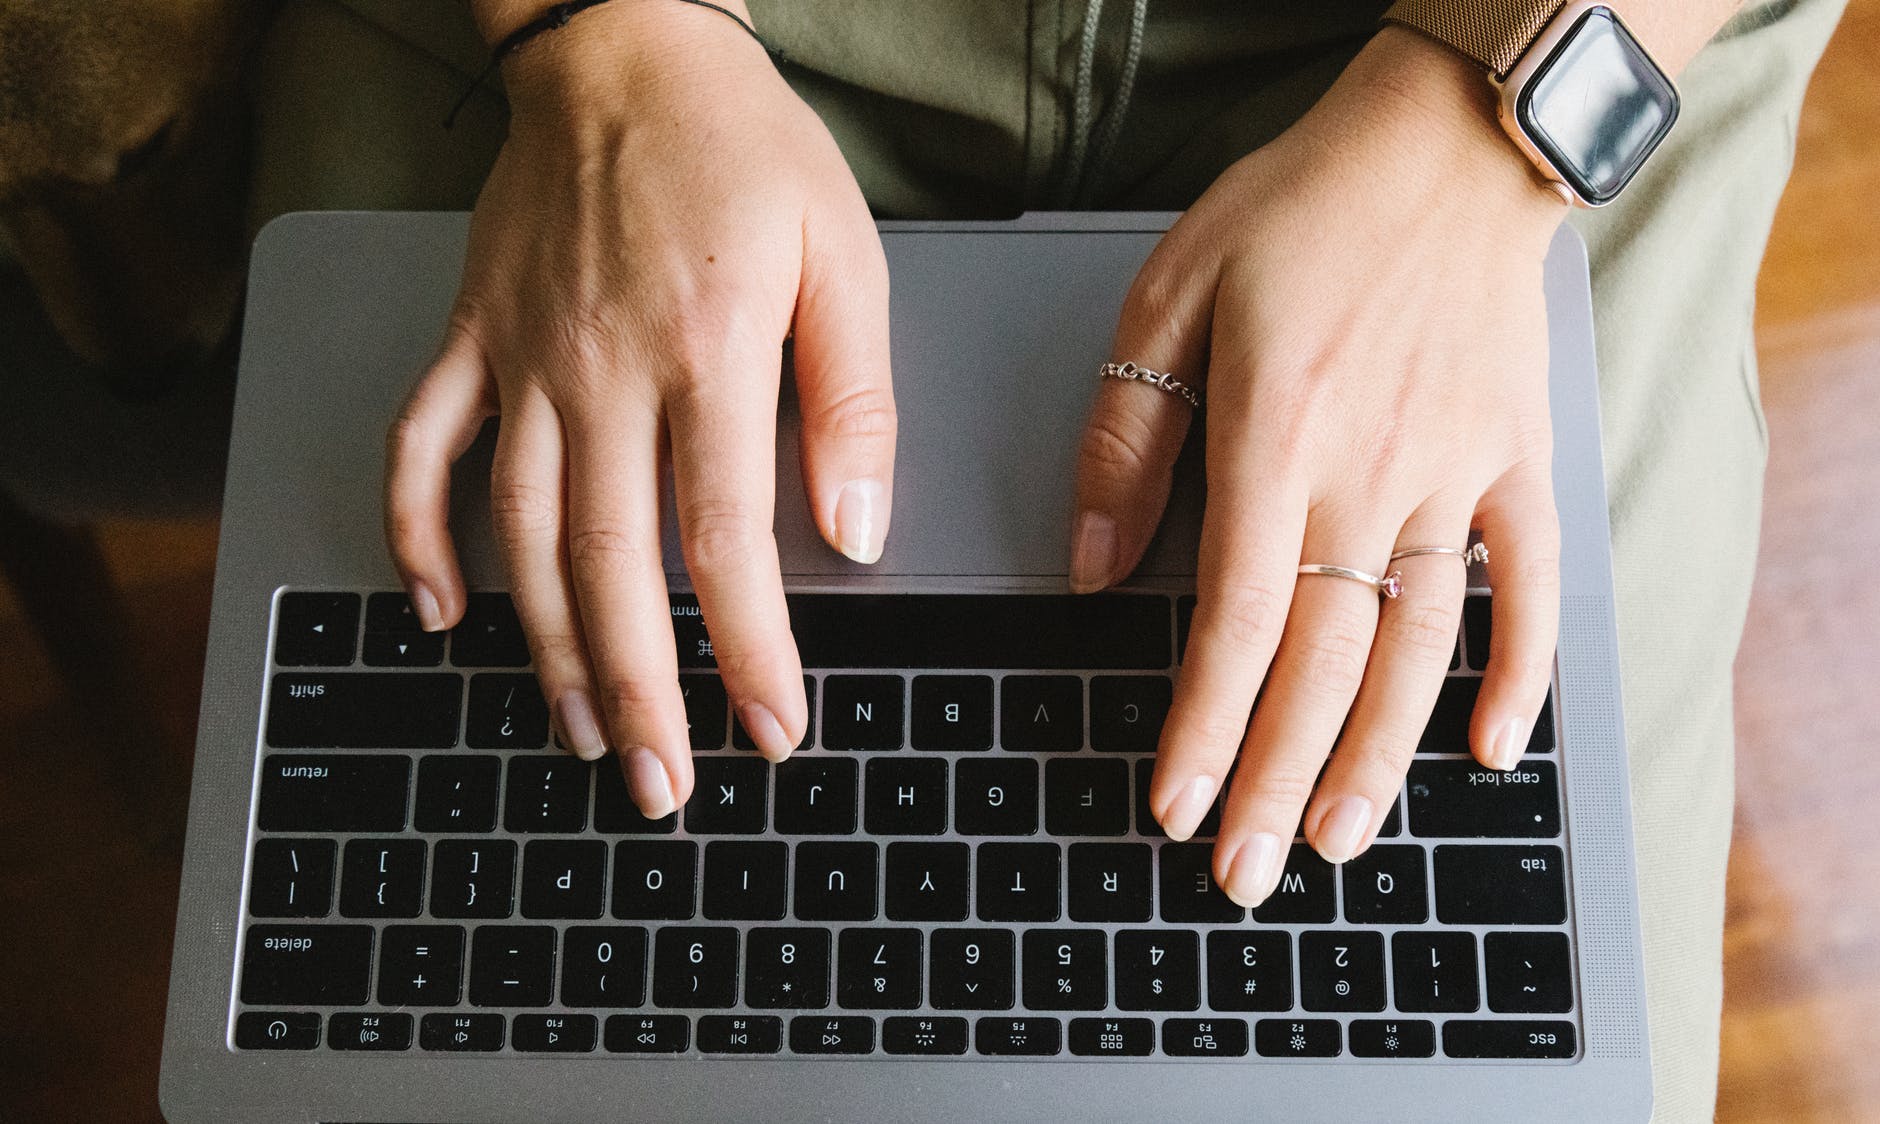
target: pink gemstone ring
<point>1390,585</point>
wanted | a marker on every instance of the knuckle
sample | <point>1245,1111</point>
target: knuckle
<point>1389,749</point>
<point>1118,444</point>
<point>1153,306</point>
<point>722,535</point>
<point>1245,611</point>
<point>1284,785</point>
<point>521,510</point>
<point>629,699</point>
<point>1214,734</point>
<point>863,414</point>
<point>1428,631</point>
<point>602,555</point>
<point>1332,656</point>
<point>559,657</point>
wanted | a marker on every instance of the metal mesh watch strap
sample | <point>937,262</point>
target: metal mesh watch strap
<point>1492,32</point>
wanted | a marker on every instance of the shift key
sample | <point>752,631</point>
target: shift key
<point>370,710</point>
<point>334,792</point>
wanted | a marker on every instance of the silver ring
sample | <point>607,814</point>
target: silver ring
<point>1390,585</point>
<point>1477,552</point>
<point>1130,372</point>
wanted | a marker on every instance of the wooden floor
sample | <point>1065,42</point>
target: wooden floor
<point>89,822</point>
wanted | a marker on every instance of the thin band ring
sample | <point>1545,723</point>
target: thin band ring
<point>1477,552</point>
<point>1390,585</point>
<point>1132,372</point>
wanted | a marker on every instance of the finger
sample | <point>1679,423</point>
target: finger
<point>436,424</point>
<point>1523,535</point>
<point>843,387</point>
<point>527,506</point>
<point>1415,634</point>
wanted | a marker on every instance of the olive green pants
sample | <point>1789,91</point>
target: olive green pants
<point>969,108</point>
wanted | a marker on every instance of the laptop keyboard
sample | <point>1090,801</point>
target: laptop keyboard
<point>960,862</point>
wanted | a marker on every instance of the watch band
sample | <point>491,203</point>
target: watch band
<point>1494,33</point>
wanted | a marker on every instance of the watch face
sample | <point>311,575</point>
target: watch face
<point>1598,107</point>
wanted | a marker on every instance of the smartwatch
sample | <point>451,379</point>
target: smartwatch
<point>1579,95</point>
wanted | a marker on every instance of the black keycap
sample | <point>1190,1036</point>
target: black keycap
<point>1507,885</point>
<point>277,1030</point>
<point>1189,893</point>
<point>316,629</point>
<point>1386,886</point>
<point>547,793</point>
<point>1146,824</point>
<point>863,711</point>
<point>689,637</point>
<point>1304,893</point>
<point>420,965</point>
<point>1341,971</point>
<point>473,878</point>
<point>972,970</point>
<point>923,1036</point>
<point>1109,882</point>
<point>512,966</point>
<point>905,796</point>
<point>728,795</point>
<point>832,1034</point>
<point>878,968</point>
<point>614,810</point>
<point>816,796</point>
<point>552,1034</point>
<point>786,968</point>
<point>1041,712</point>
<point>952,712</point>
<point>1126,712</point>
<point>334,792</point>
<point>706,710</point>
<point>1475,630</point>
<point>1391,1038</point>
<point>1184,618</point>
<point>394,638</point>
<point>1448,729</point>
<point>489,635</point>
<point>457,794</point>
<point>373,1031</point>
<point>1529,973</point>
<point>998,796</point>
<point>1086,796</point>
<point>655,879</point>
<point>745,881</point>
<point>647,1034</point>
<point>365,710</point>
<point>1433,972</point>
<point>740,1034</point>
<point>1393,821</point>
<point>1018,882</point>
<point>461,1033</point>
<point>506,712</point>
<point>1249,970</point>
<point>741,739</point>
<point>1296,1038</point>
<point>564,878</point>
<point>1029,1037</point>
<point>382,878</point>
<point>836,881</point>
<point>1460,799</point>
<point>1066,970</point>
<point>1112,1038</point>
<point>1158,970</point>
<point>695,967</point>
<point>603,966</point>
<point>928,881</point>
<point>306,965</point>
<point>1508,1038</point>
<point>291,878</point>
<point>1204,1038</point>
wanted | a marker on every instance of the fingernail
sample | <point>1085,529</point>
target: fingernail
<point>1255,870</point>
<point>579,731</point>
<point>1184,813</point>
<point>1342,829</point>
<point>1093,552</point>
<point>766,732</point>
<point>1506,751</point>
<point>424,604</point>
<point>648,783</point>
<point>858,521</point>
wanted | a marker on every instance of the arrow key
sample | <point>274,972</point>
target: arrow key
<point>392,649</point>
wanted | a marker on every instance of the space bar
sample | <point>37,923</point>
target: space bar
<point>961,630</point>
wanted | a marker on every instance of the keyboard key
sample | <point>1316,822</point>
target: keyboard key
<point>923,1036</point>
<point>1460,799</point>
<point>832,1034</point>
<point>603,966</point>
<point>1304,893</point>
<point>564,878</point>
<point>365,710</point>
<point>745,881</point>
<point>906,796</point>
<point>1341,971</point>
<point>1146,824</point>
<point>786,968</point>
<point>1386,886</point>
<point>547,794</point>
<point>1184,618</point>
<point>1393,821</point>
<point>928,881</point>
<point>512,966</point>
<point>1391,1038</point>
<point>836,881</point>
<point>489,635</point>
<point>952,712</point>
<point>291,878</point>
<point>728,796</point>
<point>316,629</point>
<point>1508,1038</point>
<point>1066,970</point>
<point>1433,971</point>
<point>370,1031</point>
<point>998,796</point>
<point>707,712</point>
<point>647,1034</point>
<point>878,968</point>
<point>693,643</point>
<point>306,965</point>
<point>420,965</point>
<point>394,638</point>
<point>1041,712</point>
<point>473,878</point>
<point>506,712</point>
<point>1448,729</point>
<point>334,792</point>
<point>457,794</point>
<point>1249,970</point>
<point>1112,1038</point>
<point>1158,970</point>
<point>655,880</point>
<point>1109,882</point>
<point>1476,631</point>
<point>863,711</point>
<point>1204,1038</point>
<point>972,970</point>
<point>1029,1037</point>
<point>382,878</point>
<point>1126,712</point>
<point>277,1030</point>
<point>1188,890</point>
<point>740,1034</point>
<point>552,1034</point>
<point>1505,885</point>
<point>1018,881</point>
<point>1296,1038</point>
<point>1530,973</point>
<point>615,813</point>
<point>1084,796</point>
<point>741,739</point>
<point>461,1033</point>
<point>695,967</point>
<point>816,796</point>
<point>982,630</point>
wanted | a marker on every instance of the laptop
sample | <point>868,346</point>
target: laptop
<point>400,901</point>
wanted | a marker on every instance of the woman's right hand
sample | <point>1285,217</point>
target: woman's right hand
<point>664,212</point>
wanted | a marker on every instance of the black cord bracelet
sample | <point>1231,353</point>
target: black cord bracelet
<point>557,17</point>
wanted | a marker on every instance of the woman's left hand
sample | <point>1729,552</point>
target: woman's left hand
<point>1360,302</point>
